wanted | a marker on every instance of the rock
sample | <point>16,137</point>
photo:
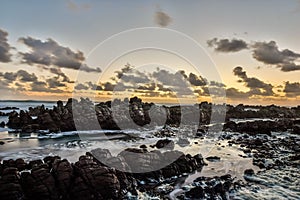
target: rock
<point>9,185</point>
<point>47,123</point>
<point>20,164</point>
<point>35,163</point>
<point>14,120</point>
<point>165,143</point>
<point>140,160</point>
<point>183,142</point>
<point>101,181</point>
<point>296,129</point>
<point>63,173</point>
<point>213,158</point>
<point>2,124</point>
<point>209,188</point>
<point>9,108</point>
<point>195,193</point>
<point>39,184</point>
<point>30,128</point>
<point>249,172</point>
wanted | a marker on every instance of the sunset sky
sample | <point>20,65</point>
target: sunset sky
<point>49,47</point>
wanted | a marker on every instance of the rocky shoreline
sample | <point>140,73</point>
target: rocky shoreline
<point>89,178</point>
<point>134,173</point>
<point>83,115</point>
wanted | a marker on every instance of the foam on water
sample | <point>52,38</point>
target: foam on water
<point>272,184</point>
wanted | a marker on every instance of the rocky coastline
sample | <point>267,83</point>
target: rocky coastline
<point>132,174</point>
<point>61,118</point>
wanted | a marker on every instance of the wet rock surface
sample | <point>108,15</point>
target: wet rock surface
<point>155,170</point>
<point>92,176</point>
<point>209,188</point>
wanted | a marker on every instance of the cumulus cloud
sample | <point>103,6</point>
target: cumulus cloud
<point>265,52</point>
<point>217,84</point>
<point>5,56</point>
<point>234,93</point>
<point>177,79</point>
<point>49,53</point>
<point>87,86</point>
<point>292,89</point>
<point>25,81</point>
<point>4,84</point>
<point>21,75</point>
<point>226,45</point>
<point>58,72</point>
<point>196,80</point>
<point>256,86</point>
<point>269,53</point>
<point>162,18</point>
<point>289,67</point>
<point>81,86</point>
<point>151,86</point>
<point>43,86</point>
<point>54,82</point>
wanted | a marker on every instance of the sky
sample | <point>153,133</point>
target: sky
<point>162,51</point>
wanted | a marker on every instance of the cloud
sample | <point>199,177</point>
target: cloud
<point>217,84</point>
<point>42,86</point>
<point>226,45</point>
<point>162,19</point>
<point>58,72</point>
<point>81,86</point>
<point>54,82</point>
<point>50,53</point>
<point>268,53</point>
<point>21,75</point>
<point>234,93</point>
<point>167,78</point>
<point>39,86</point>
<point>292,89</point>
<point>5,56</point>
<point>289,67</point>
<point>265,52</point>
<point>22,80</point>
<point>87,86</point>
<point>130,75</point>
<point>256,86</point>
<point>151,86</point>
<point>4,84</point>
<point>196,80</point>
<point>71,5</point>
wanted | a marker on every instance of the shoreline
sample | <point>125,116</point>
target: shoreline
<point>239,153</point>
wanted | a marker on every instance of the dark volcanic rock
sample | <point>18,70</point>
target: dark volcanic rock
<point>39,184</point>
<point>249,172</point>
<point>259,126</point>
<point>102,182</point>
<point>296,129</point>
<point>63,174</point>
<point>9,108</point>
<point>2,124</point>
<point>14,120</point>
<point>213,158</point>
<point>90,177</point>
<point>10,187</point>
<point>209,188</point>
<point>165,143</point>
